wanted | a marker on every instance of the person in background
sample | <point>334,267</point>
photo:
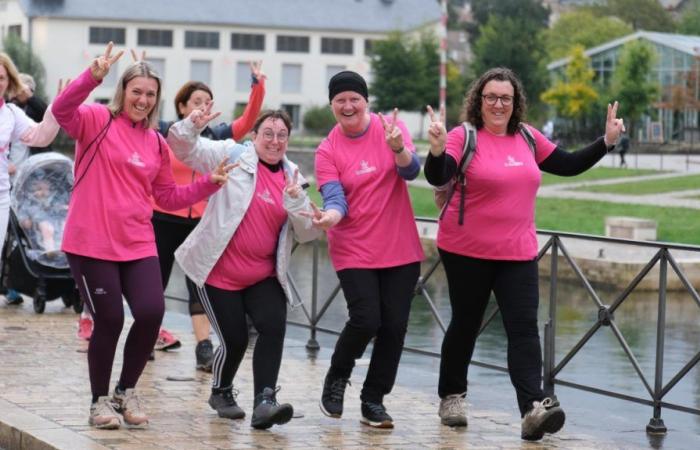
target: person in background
<point>487,240</point>
<point>361,170</point>
<point>623,146</point>
<point>121,161</point>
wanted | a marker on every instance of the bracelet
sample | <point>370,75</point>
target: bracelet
<point>398,151</point>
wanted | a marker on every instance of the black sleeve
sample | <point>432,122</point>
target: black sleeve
<point>440,169</point>
<point>35,108</point>
<point>568,164</point>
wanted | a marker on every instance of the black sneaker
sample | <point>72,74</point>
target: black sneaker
<point>224,402</point>
<point>268,412</point>
<point>375,415</point>
<point>204,353</point>
<point>332,396</point>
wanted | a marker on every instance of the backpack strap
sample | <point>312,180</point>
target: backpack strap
<point>529,138</point>
<point>468,150</point>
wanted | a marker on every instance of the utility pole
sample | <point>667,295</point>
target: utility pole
<point>443,56</point>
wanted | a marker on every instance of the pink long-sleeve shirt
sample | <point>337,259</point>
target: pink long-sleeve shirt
<point>109,215</point>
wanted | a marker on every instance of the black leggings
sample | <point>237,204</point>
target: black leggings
<point>170,234</point>
<point>266,305</point>
<point>379,302</point>
<point>515,285</point>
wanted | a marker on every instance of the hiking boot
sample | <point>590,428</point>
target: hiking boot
<point>85,325</point>
<point>128,404</point>
<point>544,417</point>
<point>332,396</point>
<point>166,341</point>
<point>103,415</point>
<point>13,297</point>
<point>453,411</point>
<point>224,402</point>
<point>375,415</point>
<point>204,353</point>
<point>268,412</point>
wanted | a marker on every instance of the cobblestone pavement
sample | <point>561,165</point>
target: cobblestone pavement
<point>44,394</point>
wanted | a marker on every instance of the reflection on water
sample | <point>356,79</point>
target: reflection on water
<point>601,362</point>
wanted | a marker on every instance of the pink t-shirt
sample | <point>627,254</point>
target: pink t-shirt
<point>109,215</point>
<point>499,208</point>
<point>250,255</point>
<point>379,229</point>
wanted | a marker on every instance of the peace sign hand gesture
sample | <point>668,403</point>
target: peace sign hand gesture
<point>220,174</point>
<point>136,57</point>
<point>437,134</point>
<point>613,126</point>
<point>292,187</point>
<point>200,118</point>
<point>322,219</point>
<point>392,133</point>
<point>256,70</point>
<point>100,65</point>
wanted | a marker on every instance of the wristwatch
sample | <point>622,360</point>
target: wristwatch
<point>399,150</point>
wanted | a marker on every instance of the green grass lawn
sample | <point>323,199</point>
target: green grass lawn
<point>650,186</point>
<point>597,173</point>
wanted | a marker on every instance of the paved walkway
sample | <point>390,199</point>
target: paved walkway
<point>44,394</point>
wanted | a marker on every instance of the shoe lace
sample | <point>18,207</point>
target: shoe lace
<point>230,396</point>
<point>376,408</point>
<point>337,389</point>
<point>132,402</point>
<point>105,408</point>
<point>271,398</point>
<point>454,405</point>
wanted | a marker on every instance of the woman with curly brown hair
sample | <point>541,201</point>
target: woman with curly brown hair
<point>487,239</point>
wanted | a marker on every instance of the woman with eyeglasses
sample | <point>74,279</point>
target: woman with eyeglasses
<point>487,239</point>
<point>238,254</point>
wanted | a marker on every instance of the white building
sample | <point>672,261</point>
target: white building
<point>302,43</point>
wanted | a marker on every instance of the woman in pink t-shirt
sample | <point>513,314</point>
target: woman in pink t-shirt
<point>487,239</point>
<point>121,161</point>
<point>361,170</point>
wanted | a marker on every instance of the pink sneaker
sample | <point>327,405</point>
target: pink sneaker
<point>166,341</point>
<point>85,325</point>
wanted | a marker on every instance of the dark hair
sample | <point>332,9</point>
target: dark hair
<point>471,107</point>
<point>273,114</point>
<point>186,91</point>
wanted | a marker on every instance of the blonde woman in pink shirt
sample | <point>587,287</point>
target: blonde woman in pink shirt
<point>487,240</point>
<point>121,161</point>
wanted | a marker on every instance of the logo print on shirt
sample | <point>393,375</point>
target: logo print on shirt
<point>100,291</point>
<point>266,197</point>
<point>365,168</point>
<point>135,159</point>
<point>512,162</point>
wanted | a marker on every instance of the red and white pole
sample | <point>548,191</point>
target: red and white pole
<point>443,56</point>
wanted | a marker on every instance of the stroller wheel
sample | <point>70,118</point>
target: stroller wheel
<point>73,299</point>
<point>67,301</point>
<point>39,303</point>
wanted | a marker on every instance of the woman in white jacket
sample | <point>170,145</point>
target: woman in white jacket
<point>239,253</point>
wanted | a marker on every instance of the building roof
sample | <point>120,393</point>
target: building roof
<point>689,44</point>
<point>341,15</point>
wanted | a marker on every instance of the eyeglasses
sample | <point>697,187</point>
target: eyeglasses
<point>269,136</point>
<point>491,99</point>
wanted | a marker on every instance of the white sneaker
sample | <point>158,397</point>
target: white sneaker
<point>129,405</point>
<point>544,417</point>
<point>453,411</point>
<point>103,415</point>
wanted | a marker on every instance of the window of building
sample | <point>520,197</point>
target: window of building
<point>369,44</point>
<point>247,41</point>
<point>294,112</point>
<point>291,78</point>
<point>337,46</point>
<point>201,39</point>
<point>243,77</point>
<point>293,44</point>
<point>103,35</point>
<point>102,100</point>
<point>155,38</point>
<point>332,70</point>
<point>200,70</point>
<point>15,29</point>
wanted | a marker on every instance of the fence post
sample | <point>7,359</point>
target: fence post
<point>312,343</point>
<point>656,424</point>
<point>550,325</point>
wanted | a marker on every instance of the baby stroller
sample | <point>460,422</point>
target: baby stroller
<point>32,261</point>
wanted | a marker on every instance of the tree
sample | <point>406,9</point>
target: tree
<point>574,96</point>
<point>632,85</point>
<point>26,61</point>
<point>646,15</point>
<point>319,120</point>
<point>582,27</point>
<point>690,21</point>
<point>531,11</point>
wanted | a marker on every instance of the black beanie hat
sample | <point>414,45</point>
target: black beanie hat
<point>347,80</point>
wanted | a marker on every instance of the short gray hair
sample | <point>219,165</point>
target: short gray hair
<point>138,69</point>
<point>28,81</point>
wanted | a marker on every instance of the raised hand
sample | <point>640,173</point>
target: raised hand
<point>322,219</point>
<point>292,187</point>
<point>614,127</point>
<point>201,118</point>
<point>220,174</point>
<point>136,57</point>
<point>256,70</point>
<point>62,85</point>
<point>392,133</point>
<point>437,134</point>
<point>100,65</point>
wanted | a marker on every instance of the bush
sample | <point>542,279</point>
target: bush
<point>319,120</point>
